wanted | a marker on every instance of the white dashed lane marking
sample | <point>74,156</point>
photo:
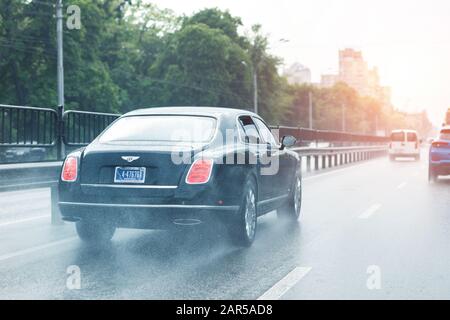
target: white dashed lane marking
<point>36,249</point>
<point>283,286</point>
<point>369,212</point>
<point>401,185</point>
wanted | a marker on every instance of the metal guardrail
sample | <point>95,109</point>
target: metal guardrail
<point>310,135</point>
<point>27,126</point>
<point>47,128</point>
<point>329,157</point>
<point>21,176</point>
<point>81,127</point>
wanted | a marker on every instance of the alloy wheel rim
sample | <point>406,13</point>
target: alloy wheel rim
<point>250,214</point>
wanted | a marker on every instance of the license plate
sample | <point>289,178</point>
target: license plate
<point>129,175</point>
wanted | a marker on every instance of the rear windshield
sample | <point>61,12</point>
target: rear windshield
<point>445,134</point>
<point>411,136</point>
<point>398,136</point>
<point>142,129</point>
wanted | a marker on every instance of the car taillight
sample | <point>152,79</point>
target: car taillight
<point>70,169</point>
<point>439,144</point>
<point>200,171</point>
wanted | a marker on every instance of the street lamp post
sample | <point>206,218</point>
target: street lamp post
<point>60,76</point>
<point>344,124</point>
<point>59,41</point>
<point>255,90</point>
<point>310,113</point>
<point>254,67</point>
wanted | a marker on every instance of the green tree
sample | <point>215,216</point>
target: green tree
<point>217,19</point>
<point>201,66</point>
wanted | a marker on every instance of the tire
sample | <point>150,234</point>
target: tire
<point>432,176</point>
<point>292,209</point>
<point>391,157</point>
<point>243,227</point>
<point>95,232</point>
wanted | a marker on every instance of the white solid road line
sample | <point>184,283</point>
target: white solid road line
<point>366,214</point>
<point>401,185</point>
<point>282,286</point>
<point>24,220</point>
<point>35,249</point>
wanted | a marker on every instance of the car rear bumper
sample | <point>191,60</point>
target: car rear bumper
<point>397,153</point>
<point>148,206</point>
<point>441,168</point>
<point>146,216</point>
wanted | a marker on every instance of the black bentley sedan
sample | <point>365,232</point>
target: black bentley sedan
<point>180,166</point>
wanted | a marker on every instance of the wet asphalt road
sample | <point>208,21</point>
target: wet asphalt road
<point>375,215</point>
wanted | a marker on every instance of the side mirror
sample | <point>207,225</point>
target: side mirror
<point>287,142</point>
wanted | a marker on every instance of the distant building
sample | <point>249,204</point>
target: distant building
<point>298,74</point>
<point>353,71</point>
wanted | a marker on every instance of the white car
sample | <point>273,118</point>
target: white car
<point>404,143</point>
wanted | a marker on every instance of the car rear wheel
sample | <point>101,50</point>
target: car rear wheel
<point>432,176</point>
<point>293,206</point>
<point>243,229</point>
<point>392,157</point>
<point>95,231</point>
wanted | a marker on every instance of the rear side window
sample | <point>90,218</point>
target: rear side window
<point>398,136</point>
<point>445,134</point>
<point>411,137</point>
<point>250,131</point>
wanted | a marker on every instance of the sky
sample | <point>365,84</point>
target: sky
<point>408,40</point>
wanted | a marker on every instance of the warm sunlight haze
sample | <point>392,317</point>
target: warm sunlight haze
<point>408,40</point>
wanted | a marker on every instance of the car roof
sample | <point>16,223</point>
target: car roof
<point>201,111</point>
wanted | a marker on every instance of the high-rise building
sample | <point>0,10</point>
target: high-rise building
<point>354,71</point>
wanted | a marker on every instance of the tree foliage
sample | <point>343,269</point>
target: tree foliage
<point>131,54</point>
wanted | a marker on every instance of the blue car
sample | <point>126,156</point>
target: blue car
<point>439,164</point>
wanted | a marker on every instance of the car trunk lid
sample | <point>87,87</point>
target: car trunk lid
<point>163,169</point>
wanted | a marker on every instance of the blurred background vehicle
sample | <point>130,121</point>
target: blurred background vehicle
<point>404,143</point>
<point>439,163</point>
